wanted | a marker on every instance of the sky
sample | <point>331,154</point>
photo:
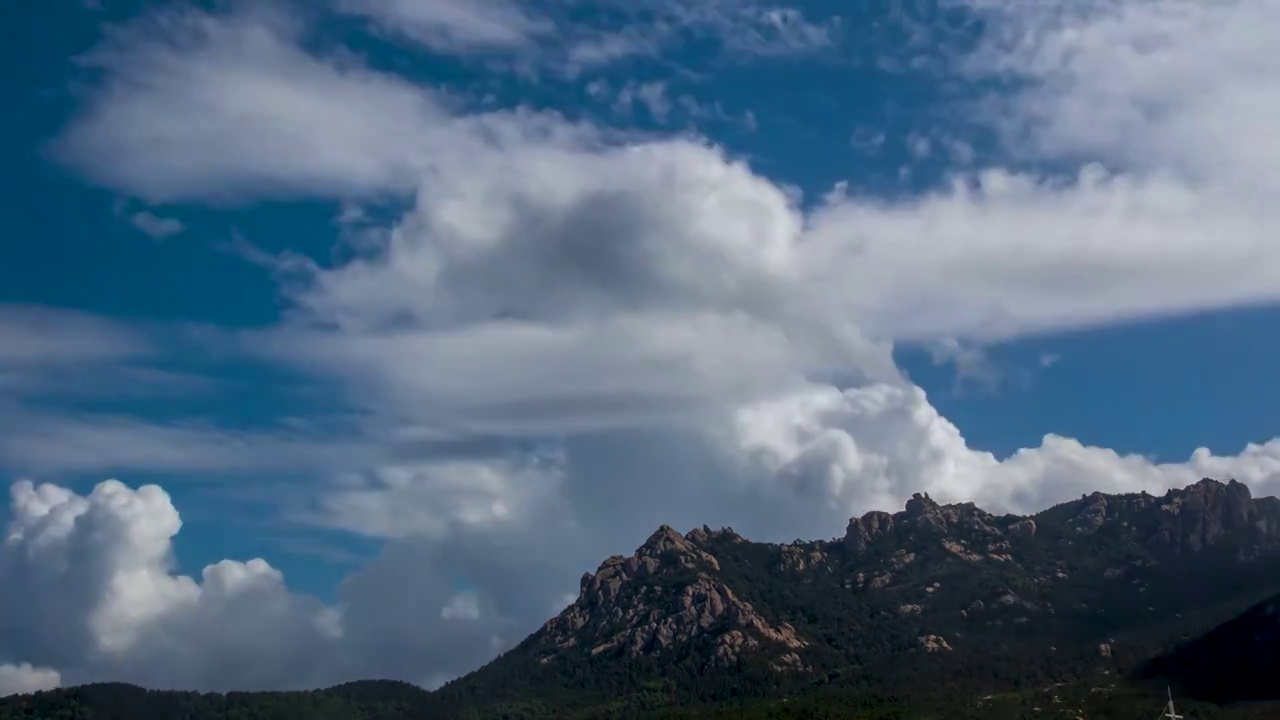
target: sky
<point>339,338</point>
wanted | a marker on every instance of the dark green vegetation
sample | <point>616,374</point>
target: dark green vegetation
<point>1086,610</point>
<point>1238,660</point>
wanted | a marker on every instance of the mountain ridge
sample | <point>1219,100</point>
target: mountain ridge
<point>1190,520</point>
<point>948,581</point>
<point>1092,592</point>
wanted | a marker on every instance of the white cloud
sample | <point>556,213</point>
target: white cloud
<point>429,499</point>
<point>654,310</point>
<point>299,126</point>
<point>566,38</point>
<point>67,441</point>
<point>451,26</point>
<point>652,96</point>
<point>1002,252</point>
<point>974,369</point>
<point>1177,88</point>
<point>23,678</point>
<point>57,364</point>
<point>739,30</point>
<point>156,226</point>
<point>872,447</point>
<point>88,589</point>
<point>33,336</point>
<point>1017,255</point>
<point>463,606</point>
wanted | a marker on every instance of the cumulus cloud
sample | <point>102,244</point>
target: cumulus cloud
<point>1176,88</point>
<point>871,446</point>
<point>21,679</point>
<point>609,332</point>
<point>89,589</point>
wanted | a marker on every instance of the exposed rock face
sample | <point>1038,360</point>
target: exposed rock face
<point>933,643</point>
<point>1199,516</point>
<point>1022,528</point>
<point>802,557</point>
<point>921,517</point>
<point>1183,521</point>
<point>960,551</point>
<point>666,596</point>
<point>1187,520</point>
<point>1092,513</point>
<point>863,530</point>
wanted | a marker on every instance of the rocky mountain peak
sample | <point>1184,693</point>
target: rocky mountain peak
<point>862,531</point>
<point>704,535</point>
<point>922,515</point>
<point>1185,520</point>
<point>1202,514</point>
<point>920,505</point>
<point>665,596</point>
<point>1232,500</point>
<point>666,544</point>
<point>664,540</point>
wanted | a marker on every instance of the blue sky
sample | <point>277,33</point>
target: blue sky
<point>387,292</point>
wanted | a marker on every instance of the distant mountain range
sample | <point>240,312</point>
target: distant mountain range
<point>1087,609</point>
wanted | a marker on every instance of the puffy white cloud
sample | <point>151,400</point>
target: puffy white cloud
<point>654,311</point>
<point>23,678</point>
<point>871,447</point>
<point>429,499</point>
<point>299,126</point>
<point>88,589</point>
<point>1165,87</point>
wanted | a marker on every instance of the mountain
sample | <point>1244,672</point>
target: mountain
<point>374,700</point>
<point>1238,660</point>
<point>933,596</point>
<point>1082,610</point>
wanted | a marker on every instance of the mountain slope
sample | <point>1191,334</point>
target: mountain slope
<point>1238,660</point>
<point>932,594</point>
